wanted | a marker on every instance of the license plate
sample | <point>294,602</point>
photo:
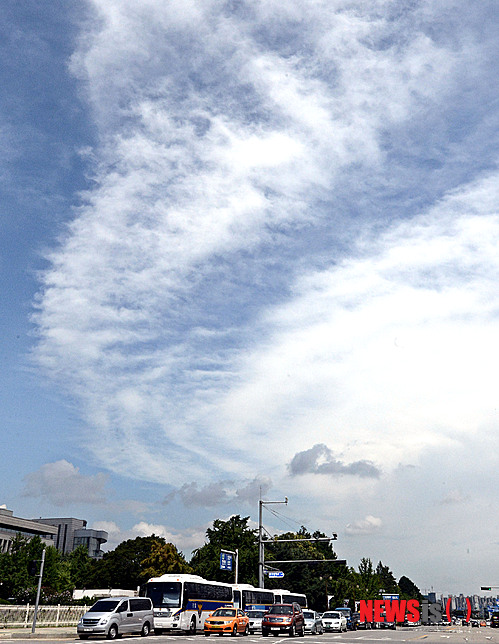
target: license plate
<point>275,628</point>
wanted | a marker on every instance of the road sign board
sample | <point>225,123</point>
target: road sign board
<point>225,561</point>
<point>275,574</point>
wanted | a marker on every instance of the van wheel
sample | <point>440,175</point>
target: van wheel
<point>145,630</point>
<point>291,631</point>
<point>112,633</point>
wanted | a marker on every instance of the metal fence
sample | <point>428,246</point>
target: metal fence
<point>22,616</point>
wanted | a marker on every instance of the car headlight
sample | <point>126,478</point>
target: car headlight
<point>103,621</point>
<point>176,618</point>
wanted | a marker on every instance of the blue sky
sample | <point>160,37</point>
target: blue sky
<point>248,246</point>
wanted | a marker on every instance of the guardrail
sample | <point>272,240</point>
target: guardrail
<point>22,616</point>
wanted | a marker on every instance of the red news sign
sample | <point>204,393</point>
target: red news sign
<point>383,610</point>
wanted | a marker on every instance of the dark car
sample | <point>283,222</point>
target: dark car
<point>284,618</point>
<point>494,620</point>
<point>359,624</point>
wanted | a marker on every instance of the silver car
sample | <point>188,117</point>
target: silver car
<point>313,622</point>
<point>113,616</point>
<point>255,620</point>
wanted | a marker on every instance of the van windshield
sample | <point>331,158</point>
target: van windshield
<point>104,606</point>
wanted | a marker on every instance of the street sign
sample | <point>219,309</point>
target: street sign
<point>225,561</point>
<point>276,574</point>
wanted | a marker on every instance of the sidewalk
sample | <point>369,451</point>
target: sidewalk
<point>41,633</point>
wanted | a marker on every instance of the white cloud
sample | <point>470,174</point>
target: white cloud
<point>364,526</point>
<point>62,484</point>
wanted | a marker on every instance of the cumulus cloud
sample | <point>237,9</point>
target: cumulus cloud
<point>369,525</point>
<point>62,484</point>
<point>220,492</point>
<point>319,459</point>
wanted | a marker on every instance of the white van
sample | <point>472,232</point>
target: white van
<point>114,616</point>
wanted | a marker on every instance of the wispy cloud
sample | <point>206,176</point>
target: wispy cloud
<point>283,237</point>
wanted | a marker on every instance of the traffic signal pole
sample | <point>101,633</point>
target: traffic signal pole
<point>261,556</point>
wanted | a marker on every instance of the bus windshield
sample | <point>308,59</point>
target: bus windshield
<point>165,594</point>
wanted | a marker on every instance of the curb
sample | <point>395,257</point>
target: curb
<point>40,634</point>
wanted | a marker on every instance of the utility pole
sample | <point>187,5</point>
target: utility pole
<point>261,556</point>
<point>38,591</point>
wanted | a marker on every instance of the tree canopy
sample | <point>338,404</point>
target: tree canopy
<point>132,562</point>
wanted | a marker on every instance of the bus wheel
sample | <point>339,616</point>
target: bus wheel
<point>192,626</point>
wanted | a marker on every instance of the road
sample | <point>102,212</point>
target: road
<point>425,635</point>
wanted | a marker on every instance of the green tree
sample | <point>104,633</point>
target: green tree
<point>81,567</point>
<point>123,566</point>
<point>408,589</point>
<point>164,558</point>
<point>14,568</point>
<point>386,579</point>
<point>228,535</point>
<point>317,579</point>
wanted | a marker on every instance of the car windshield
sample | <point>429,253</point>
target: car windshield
<point>308,615</point>
<point>255,613</point>
<point>104,606</point>
<point>332,615</point>
<point>224,612</point>
<point>281,610</point>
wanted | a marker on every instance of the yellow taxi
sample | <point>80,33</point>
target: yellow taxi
<point>227,620</point>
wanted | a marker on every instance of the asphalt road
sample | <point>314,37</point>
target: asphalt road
<point>427,635</point>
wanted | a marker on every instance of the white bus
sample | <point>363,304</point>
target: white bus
<point>247,597</point>
<point>183,602</point>
<point>282,596</point>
